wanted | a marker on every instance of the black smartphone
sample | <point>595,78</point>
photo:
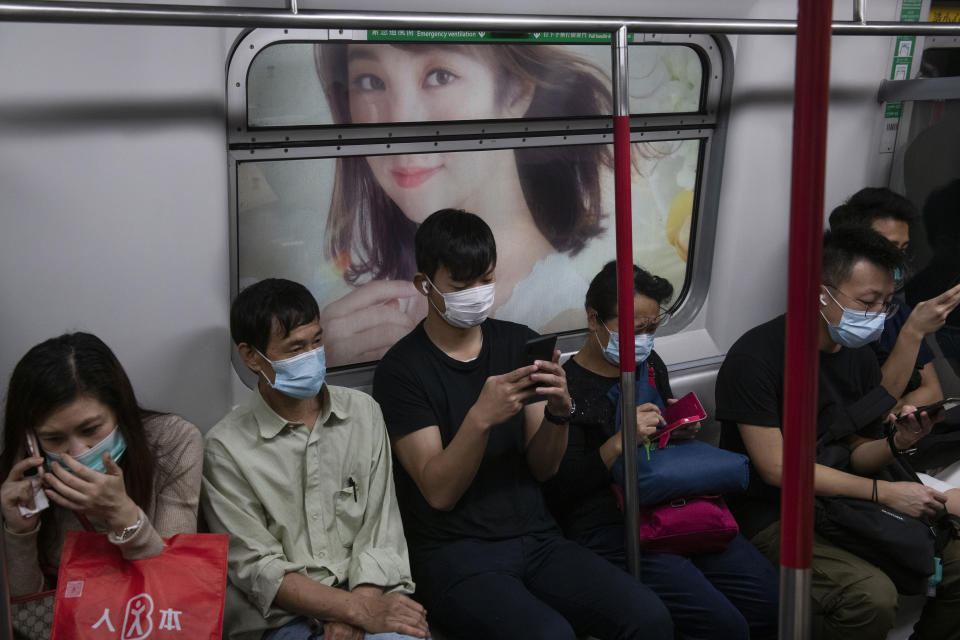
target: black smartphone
<point>946,403</point>
<point>539,348</point>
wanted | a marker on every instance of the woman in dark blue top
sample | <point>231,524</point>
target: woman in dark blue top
<point>731,594</point>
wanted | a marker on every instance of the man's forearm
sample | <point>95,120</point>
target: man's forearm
<point>300,594</point>
<point>545,450</point>
<point>898,367</point>
<point>447,476</point>
<point>871,456</point>
<point>929,390</point>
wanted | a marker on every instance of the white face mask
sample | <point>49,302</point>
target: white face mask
<point>466,308</point>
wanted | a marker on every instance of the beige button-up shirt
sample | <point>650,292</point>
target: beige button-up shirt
<point>319,502</point>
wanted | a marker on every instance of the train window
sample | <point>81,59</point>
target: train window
<point>334,83</point>
<point>927,170</point>
<point>327,188</point>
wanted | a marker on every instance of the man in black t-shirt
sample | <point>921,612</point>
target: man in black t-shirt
<point>905,359</point>
<point>476,431</point>
<point>856,599</point>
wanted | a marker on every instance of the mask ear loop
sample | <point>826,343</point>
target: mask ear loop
<point>609,333</point>
<point>261,369</point>
<point>434,287</point>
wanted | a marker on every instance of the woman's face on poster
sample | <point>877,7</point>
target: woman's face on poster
<point>427,84</point>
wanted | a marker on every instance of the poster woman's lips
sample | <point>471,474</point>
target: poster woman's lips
<point>410,177</point>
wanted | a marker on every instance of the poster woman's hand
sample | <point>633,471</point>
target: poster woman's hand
<point>363,324</point>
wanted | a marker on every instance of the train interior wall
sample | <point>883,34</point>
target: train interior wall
<point>114,179</point>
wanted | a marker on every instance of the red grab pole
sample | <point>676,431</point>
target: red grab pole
<point>624,231</point>
<point>800,378</point>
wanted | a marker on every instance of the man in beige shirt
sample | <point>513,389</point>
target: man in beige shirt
<point>301,479</point>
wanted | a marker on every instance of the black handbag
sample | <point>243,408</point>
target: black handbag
<point>901,546</point>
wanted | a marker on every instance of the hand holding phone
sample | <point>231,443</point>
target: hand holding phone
<point>33,451</point>
<point>539,348</point>
<point>684,411</point>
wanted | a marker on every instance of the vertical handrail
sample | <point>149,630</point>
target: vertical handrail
<point>802,332</point>
<point>860,11</point>
<point>624,230</point>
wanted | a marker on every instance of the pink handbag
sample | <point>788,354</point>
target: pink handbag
<point>685,526</point>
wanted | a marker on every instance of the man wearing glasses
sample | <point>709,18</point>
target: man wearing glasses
<point>905,360</point>
<point>854,597</point>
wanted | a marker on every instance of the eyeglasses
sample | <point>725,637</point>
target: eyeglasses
<point>888,307</point>
<point>644,324</point>
<point>649,325</point>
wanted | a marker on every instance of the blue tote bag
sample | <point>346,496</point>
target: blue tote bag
<point>680,468</point>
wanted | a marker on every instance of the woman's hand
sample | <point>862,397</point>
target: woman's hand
<point>99,495</point>
<point>362,325</point>
<point>687,431</point>
<point>17,490</point>
<point>648,421</point>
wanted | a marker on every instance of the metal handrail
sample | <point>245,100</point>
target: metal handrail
<point>203,16</point>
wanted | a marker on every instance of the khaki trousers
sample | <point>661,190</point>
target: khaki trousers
<point>858,601</point>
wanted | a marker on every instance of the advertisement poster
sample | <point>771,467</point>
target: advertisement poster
<point>344,226</point>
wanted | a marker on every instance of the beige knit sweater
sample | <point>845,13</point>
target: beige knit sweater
<point>177,448</point>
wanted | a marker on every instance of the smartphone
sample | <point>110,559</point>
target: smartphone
<point>684,411</point>
<point>946,403</point>
<point>539,348</point>
<point>32,451</point>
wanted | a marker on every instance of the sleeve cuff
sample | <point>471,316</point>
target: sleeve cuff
<point>382,568</point>
<point>22,537</point>
<point>870,408</point>
<point>267,581</point>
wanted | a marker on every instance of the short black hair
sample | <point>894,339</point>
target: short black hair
<point>846,246</point>
<point>460,241</point>
<point>602,292</point>
<point>257,307</point>
<point>871,204</point>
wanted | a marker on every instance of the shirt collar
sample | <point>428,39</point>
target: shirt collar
<point>271,423</point>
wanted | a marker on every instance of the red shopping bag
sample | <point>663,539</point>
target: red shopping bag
<point>175,595</point>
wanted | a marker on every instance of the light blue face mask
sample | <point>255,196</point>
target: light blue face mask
<point>642,346</point>
<point>300,376</point>
<point>92,458</point>
<point>856,328</point>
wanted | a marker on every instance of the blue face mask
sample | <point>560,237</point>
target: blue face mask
<point>92,458</point>
<point>300,376</point>
<point>642,346</point>
<point>856,328</point>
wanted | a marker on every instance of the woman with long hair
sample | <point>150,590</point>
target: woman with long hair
<point>73,430</point>
<point>544,204</point>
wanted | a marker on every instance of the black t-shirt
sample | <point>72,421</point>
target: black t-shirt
<point>750,391</point>
<point>579,495</point>
<point>418,386</point>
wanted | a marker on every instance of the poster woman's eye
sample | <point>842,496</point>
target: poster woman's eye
<point>368,82</point>
<point>439,78</point>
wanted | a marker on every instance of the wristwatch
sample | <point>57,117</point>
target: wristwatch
<point>549,417</point>
<point>893,446</point>
<point>119,537</point>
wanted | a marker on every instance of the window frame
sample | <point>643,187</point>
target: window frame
<point>246,144</point>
